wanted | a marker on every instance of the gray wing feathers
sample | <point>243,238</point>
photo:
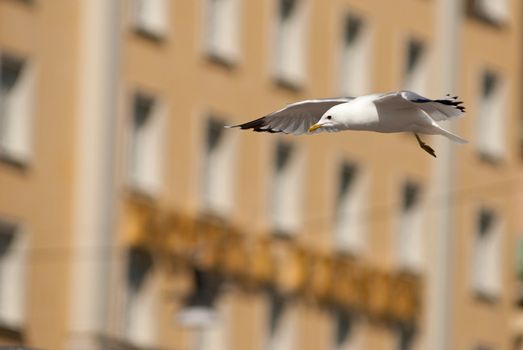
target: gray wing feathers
<point>295,118</point>
<point>440,109</point>
<point>433,110</point>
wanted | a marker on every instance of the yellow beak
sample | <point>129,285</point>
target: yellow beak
<point>314,127</point>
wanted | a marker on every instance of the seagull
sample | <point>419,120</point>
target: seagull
<point>400,111</point>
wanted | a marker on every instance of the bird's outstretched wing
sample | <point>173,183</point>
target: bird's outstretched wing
<point>438,110</point>
<point>295,118</point>
<point>419,111</point>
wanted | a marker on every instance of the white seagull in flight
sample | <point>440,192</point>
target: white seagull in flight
<point>402,111</point>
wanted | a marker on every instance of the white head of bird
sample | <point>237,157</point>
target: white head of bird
<point>334,119</point>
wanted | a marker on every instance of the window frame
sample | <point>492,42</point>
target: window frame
<point>364,43</point>
<point>293,169</point>
<point>410,260</point>
<point>498,101</point>
<point>147,289</point>
<point>20,240</point>
<point>231,59</point>
<point>145,29</point>
<point>280,76</point>
<point>20,159</point>
<point>159,114</point>
<point>357,190</point>
<point>410,76</point>
<point>481,289</point>
<point>472,10</point>
<point>226,150</point>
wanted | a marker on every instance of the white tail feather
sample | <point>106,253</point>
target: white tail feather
<point>451,136</point>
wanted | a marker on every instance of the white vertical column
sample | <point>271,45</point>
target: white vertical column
<point>438,300</point>
<point>94,195</point>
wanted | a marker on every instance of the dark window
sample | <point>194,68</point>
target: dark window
<point>347,178</point>
<point>353,27</point>
<point>283,155</point>
<point>414,56</point>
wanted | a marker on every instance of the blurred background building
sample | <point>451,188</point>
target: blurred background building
<point>130,219</point>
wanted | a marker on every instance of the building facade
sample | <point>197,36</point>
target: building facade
<point>131,219</point>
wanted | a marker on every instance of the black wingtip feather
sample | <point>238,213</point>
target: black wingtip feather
<point>452,101</point>
<point>449,101</point>
<point>257,125</point>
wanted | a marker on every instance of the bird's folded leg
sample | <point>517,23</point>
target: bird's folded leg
<point>425,147</point>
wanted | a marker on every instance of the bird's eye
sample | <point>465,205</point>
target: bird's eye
<point>329,117</point>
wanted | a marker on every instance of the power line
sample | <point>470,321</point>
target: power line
<point>374,213</point>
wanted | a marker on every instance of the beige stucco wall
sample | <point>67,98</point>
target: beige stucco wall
<point>177,70</point>
<point>38,196</point>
